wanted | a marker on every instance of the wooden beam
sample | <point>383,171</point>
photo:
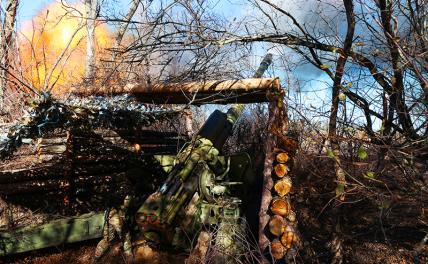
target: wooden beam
<point>55,233</point>
<point>253,90</point>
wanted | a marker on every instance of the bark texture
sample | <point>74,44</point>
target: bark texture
<point>6,36</point>
<point>212,91</point>
<point>91,8</point>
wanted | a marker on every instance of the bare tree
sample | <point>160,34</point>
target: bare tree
<point>127,19</point>
<point>6,38</point>
<point>91,9</point>
<point>6,35</point>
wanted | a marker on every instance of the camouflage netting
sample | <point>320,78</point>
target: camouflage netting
<point>46,114</point>
<point>43,176</point>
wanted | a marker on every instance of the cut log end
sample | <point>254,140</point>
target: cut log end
<point>282,157</point>
<point>280,207</point>
<point>278,250</point>
<point>280,170</point>
<point>283,186</point>
<point>277,225</point>
<point>289,239</point>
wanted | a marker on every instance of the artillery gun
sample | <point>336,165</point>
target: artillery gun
<point>203,188</point>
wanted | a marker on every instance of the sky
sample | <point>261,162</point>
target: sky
<point>29,8</point>
<point>315,88</point>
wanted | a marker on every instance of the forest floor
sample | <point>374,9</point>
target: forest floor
<point>381,220</point>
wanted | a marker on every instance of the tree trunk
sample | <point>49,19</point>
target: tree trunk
<point>124,26</point>
<point>6,43</point>
<point>188,122</point>
<point>91,15</point>
<point>336,245</point>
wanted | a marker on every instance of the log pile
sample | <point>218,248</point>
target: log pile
<point>283,222</point>
<point>44,115</point>
<point>67,151</point>
<point>80,157</point>
<point>278,234</point>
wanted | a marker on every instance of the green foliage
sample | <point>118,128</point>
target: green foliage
<point>370,175</point>
<point>340,189</point>
<point>382,128</point>
<point>362,153</point>
<point>330,153</point>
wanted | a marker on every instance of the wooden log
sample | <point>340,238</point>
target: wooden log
<point>127,137</point>
<point>55,233</point>
<point>101,150</point>
<point>282,157</point>
<point>99,179</point>
<point>53,184</point>
<point>57,133</point>
<point>278,250</point>
<point>289,239</point>
<point>51,149</point>
<point>51,141</point>
<point>43,142</point>
<point>280,170</point>
<point>93,141</point>
<point>56,171</point>
<point>277,225</point>
<point>85,158</point>
<point>48,171</point>
<point>267,179</point>
<point>121,132</point>
<point>161,149</point>
<point>216,91</point>
<point>280,207</point>
<point>100,168</point>
<point>32,186</point>
<point>143,140</point>
<point>283,186</point>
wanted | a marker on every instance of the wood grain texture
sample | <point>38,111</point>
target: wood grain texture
<point>206,92</point>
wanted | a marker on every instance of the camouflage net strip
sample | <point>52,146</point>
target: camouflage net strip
<point>46,114</point>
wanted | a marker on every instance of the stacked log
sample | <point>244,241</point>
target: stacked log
<point>282,224</point>
<point>278,234</point>
<point>74,158</point>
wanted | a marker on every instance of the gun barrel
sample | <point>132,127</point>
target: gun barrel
<point>236,111</point>
<point>267,60</point>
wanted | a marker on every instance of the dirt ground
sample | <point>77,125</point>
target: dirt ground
<point>382,221</point>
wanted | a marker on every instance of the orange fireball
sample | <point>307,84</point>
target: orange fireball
<point>56,31</point>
